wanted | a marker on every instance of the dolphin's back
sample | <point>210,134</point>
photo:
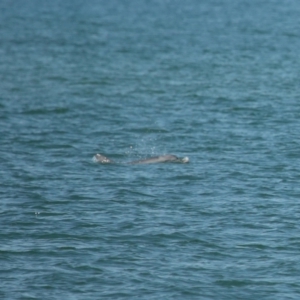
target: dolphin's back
<point>99,158</point>
<point>155,159</point>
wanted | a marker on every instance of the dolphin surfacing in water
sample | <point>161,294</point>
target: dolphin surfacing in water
<point>99,158</point>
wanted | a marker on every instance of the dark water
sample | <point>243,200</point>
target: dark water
<point>217,81</point>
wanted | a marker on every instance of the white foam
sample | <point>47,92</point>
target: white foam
<point>185,159</point>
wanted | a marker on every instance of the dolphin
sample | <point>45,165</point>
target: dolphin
<point>99,158</point>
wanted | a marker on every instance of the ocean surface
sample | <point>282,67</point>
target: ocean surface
<point>214,80</point>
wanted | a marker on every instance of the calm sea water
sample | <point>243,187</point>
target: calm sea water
<point>214,80</point>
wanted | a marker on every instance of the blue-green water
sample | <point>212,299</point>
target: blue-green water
<point>217,81</point>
